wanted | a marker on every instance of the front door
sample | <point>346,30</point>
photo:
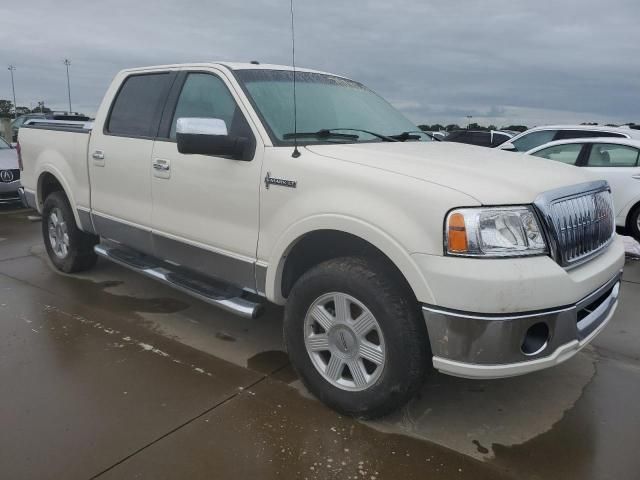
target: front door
<point>119,160</point>
<point>205,208</point>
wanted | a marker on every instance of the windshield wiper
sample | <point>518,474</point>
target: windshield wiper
<point>411,135</point>
<point>320,134</point>
<point>332,133</point>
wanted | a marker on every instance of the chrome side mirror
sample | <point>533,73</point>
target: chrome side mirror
<point>209,136</point>
<point>201,126</point>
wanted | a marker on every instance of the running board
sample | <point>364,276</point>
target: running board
<point>225,296</point>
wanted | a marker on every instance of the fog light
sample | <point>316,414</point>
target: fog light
<point>536,339</point>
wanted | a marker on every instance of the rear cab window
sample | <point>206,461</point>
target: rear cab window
<point>137,108</point>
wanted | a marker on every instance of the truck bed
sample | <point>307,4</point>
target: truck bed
<point>61,149</point>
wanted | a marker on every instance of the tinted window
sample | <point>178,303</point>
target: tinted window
<point>612,155</point>
<point>533,140</point>
<point>561,153</point>
<point>136,110</point>
<point>206,96</point>
<point>568,134</point>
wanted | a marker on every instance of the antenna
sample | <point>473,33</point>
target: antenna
<point>296,152</point>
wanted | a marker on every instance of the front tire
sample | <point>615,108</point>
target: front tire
<point>69,248</point>
<point>355,336</point>
<point>634,223</point>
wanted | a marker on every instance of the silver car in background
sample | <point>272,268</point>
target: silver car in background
<point>9,174</point>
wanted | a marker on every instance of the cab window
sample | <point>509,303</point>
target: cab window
<point>137,107</point>
<point>205,95</point>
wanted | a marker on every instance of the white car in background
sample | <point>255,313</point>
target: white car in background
<point>534,137</point>
<point>616,160</point>
<point>9,174</point>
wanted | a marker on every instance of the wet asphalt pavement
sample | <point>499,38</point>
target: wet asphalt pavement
<point>111,375</point>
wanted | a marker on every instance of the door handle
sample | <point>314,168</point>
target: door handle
<point>161,166</point>
<point>98,155</point>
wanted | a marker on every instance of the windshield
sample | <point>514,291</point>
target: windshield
<point>324,103</point>
<point>3,144</point>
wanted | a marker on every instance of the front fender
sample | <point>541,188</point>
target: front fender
<point>356,227</point>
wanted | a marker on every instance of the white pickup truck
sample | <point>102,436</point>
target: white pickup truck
<point>389,251</point>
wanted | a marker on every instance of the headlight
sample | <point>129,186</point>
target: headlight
<point>494,232</point>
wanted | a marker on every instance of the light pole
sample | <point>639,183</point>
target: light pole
<point>11,68</point>
<point>67,62</point>
<point>469,117</point>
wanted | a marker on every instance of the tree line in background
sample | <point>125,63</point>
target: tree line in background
<point>436,127</point>
<point>6,109</point>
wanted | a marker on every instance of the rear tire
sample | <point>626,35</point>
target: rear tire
<point>633,223</point>
<point>69,248</point>
<point>368,353</point>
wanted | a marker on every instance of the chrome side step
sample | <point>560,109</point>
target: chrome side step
<point>225,296</point>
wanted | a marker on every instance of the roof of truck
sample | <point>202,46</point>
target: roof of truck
<point>228,65</point>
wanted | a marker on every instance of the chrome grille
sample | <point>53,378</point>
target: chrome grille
<point>580,222</point>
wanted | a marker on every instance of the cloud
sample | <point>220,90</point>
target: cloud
<point>504,61</point>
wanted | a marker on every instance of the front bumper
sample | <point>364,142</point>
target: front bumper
<point>9,192</point>
<point>493,346</point>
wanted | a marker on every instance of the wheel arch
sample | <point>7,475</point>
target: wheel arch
<point>315,240</point>
<point>49,181</point>
<point>629,210</point>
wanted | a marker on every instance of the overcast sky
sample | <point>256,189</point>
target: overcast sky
<point>502,61</point>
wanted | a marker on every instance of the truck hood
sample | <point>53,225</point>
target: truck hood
<point>8,159</point>
<point>490,176</point>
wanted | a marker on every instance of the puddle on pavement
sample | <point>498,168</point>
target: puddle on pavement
<point>597,438</point>
<point>225,336</point>
<point>123,303</point>
<point>481,449</point>
<point>471,416</point>
<point>95,293</point>
<point>268,362</point>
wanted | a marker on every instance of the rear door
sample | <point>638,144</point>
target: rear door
<point>619,165</point>
<point>120,159</point>
<point>205,207</point>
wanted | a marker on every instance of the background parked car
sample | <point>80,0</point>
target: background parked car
<point>437,135</point>
<point>613,159</point>
<point>483,138</point>
<point>18,122</point>
<point>9,174</point>
<point>534,137</point>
